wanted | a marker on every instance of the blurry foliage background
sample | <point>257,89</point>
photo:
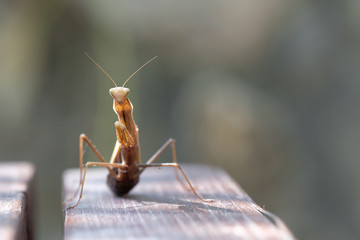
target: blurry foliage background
<point>268,90</point>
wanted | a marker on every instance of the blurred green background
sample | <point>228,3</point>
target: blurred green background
<point>267,90</point>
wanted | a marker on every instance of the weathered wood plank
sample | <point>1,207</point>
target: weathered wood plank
<point>16,204</point>
<point>12,216</point>
<point>159,208</point>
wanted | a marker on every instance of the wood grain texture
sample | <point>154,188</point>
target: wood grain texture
<point>16,204</point>
<point>160,208</point>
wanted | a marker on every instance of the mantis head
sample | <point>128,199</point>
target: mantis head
<point>119,93</point>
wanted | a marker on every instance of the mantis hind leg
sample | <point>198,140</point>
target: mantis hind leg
<point>168,143</point>
<point>107,165</point>
<point>177,166</point>
<point>84,138</point>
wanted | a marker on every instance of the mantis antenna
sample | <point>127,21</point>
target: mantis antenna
<point>100,68</point>
<point>138,70</point>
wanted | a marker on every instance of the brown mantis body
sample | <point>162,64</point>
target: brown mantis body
<point>124,166</point>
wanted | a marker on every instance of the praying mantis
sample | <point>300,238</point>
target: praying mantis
<point>124,166</point>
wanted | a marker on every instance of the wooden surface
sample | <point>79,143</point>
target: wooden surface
<point>12,216</point>
<point>159,208</point>
<point>16,203</point>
